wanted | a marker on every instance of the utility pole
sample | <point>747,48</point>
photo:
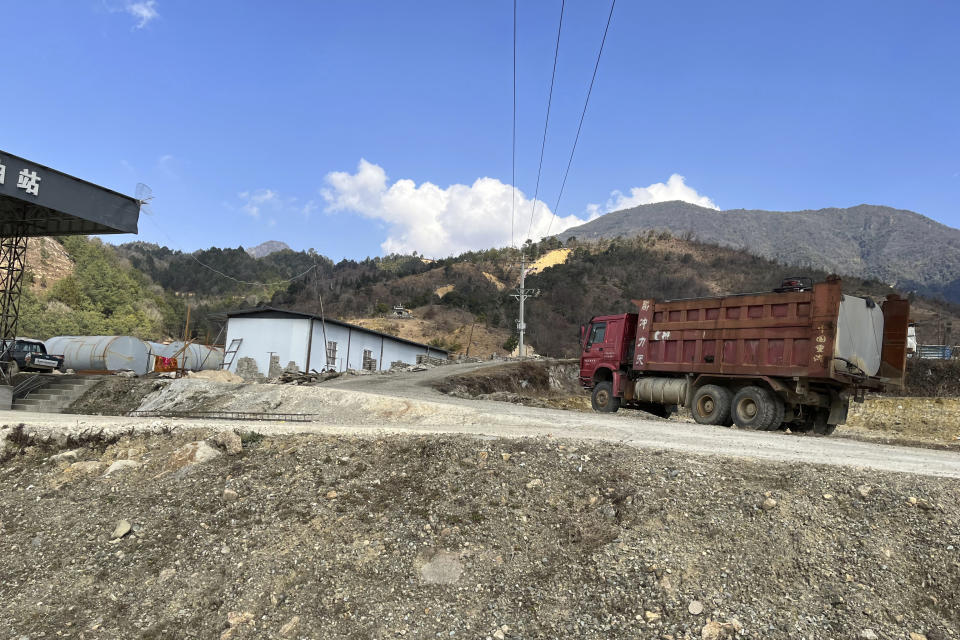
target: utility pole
<point>186,327</point>
<point>522,294</point>
<point>470,339</point>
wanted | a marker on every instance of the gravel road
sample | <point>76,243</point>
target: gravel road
<point>406,402</point>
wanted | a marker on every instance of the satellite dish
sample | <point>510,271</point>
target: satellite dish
<point>143,195</point>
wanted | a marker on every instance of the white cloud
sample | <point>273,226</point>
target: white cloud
<point>446,221</point>
<point>168,164</point>
<point>439,221</point>
<point>674,189</point>
<point>255,201</point>
<point>144,12</point>
<point>308,208</point>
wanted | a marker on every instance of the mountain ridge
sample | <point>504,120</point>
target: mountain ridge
<point>897,246</point>
<point>264,249</point>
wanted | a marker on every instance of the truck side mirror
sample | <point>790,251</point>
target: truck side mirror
<point>583,329</point>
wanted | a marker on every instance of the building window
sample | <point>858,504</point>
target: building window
<point>332,354</point>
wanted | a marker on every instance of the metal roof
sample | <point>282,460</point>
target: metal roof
<point>273,312</point>
<point>39,201</point>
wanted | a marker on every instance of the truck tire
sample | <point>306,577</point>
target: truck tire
<point>815,421</point>
<point>711,405</point>
<point>654,409</point>
<point>754,408</point>
<point>780,412</point>
<point>603,399</point>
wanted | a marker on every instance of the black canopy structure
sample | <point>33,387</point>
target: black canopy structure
<point>39,201</point>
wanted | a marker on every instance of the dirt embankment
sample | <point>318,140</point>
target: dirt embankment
<point>422,537</point>
<point>115,396</point>
<point>538,383</point>
<point>47,262</point>
<point>932,378</point>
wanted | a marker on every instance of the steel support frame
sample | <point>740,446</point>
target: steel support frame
<point>13,250</point>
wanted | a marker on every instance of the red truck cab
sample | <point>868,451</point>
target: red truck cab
<point>607,342</point>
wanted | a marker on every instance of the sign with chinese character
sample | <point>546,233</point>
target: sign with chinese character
<point>29,181</point>
<point>642,346</point>
<point>58,204</point>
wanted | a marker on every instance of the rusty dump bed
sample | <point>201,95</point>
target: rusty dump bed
<point>810,334</point>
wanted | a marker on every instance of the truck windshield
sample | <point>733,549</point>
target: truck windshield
<point>597,333</point>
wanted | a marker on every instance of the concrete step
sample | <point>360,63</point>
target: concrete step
<point>17,406</point>
<point>67,385</point>
<point>46,395</point>
<point>72,383</point>
<point>56,395</point>
<point>29,400</point>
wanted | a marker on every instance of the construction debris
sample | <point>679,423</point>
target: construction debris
<point>299,377</point>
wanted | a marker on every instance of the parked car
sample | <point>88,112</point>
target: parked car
<point>26,354</point>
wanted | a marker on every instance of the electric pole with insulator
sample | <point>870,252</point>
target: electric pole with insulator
<point>522,294</point>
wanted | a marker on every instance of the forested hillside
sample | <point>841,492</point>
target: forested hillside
<point>100,295</point>
<point>143,289</point>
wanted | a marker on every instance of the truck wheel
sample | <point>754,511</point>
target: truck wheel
<point>603,399</point>
<point>779,413</point>
<point>711,405</point>
<point>753,408</point>
<point>824,429</point>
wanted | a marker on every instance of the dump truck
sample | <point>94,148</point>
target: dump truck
<point>791,359</point>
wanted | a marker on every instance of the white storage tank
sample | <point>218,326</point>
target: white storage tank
<point>101,353</point>
<point>196,357</point>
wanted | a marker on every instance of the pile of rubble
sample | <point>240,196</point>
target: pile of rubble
<point>301,377</point>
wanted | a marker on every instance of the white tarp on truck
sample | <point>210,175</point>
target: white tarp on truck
<point>860,333</point>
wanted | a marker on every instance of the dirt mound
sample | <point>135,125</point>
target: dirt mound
<point>550,384</point>
<point>532,378</point>
<point>115,396</point>
<point>218,375</point>
<point>455,537</point>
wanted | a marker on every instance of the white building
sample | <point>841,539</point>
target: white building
<point>266,334</point>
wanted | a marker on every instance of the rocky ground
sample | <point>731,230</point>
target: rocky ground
<point>174,536</point>
<point>538,383</point>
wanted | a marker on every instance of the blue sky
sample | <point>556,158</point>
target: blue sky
<point>362,127</point>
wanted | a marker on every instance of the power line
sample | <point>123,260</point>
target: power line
<point>582,116</point>
<point>258,284</point>
<point>229,277</point>
<point>546,124</point>
<point>513,179</point>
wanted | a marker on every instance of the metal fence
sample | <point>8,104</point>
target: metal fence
<point>934,351</point>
